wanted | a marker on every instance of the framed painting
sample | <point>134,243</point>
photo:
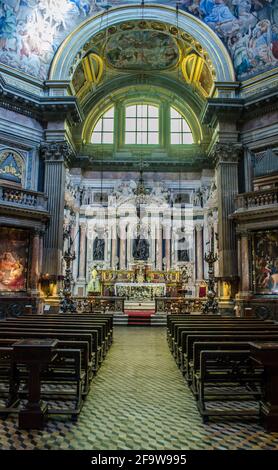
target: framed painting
<point>265,262</point>
<point>14,255</point>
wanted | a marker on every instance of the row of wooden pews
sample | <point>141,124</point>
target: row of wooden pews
<point>50,360</point>
<point>214,355</point>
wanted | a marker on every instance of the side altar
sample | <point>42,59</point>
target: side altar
<point>140,290</point>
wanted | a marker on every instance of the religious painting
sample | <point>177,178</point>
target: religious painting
<point>265,252</point>
<point>14,250</point>
<point>100,197</point>
<point>79,79</point>
<point>31,32</point>
<point>183,250</point>
<point>11,167</point>
<point>137,50</point>
<point>98,249</point>
<point>141,249</point>
<point>182,198</point>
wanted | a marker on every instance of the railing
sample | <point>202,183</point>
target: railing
<point>178,305</point>
<point>22,197</point>
<point>99,304</point>
<point>257,199</point>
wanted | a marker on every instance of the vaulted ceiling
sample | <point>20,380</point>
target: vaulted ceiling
<point>31,31</point>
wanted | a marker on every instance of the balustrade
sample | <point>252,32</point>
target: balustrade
<point>257,199</point>
<point>22,197</point>
<point>98,303</point>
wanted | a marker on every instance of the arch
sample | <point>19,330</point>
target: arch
<point>63,60</point>
<point>186,108</point>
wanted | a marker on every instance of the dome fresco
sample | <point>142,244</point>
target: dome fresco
<point>31,31</point>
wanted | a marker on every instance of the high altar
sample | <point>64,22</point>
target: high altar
<point>140,291</point>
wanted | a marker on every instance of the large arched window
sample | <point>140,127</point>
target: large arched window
<point>103,132</point>
<point>181,133</point>
<point>142,124</point>
<point>150,124</point>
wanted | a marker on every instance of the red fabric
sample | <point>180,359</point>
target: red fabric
<point>139,313</point>
<point>202,291</point>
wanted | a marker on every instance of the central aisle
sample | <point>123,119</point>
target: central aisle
<point>138,400</point>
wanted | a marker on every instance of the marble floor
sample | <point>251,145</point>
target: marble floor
<point>138,400</point>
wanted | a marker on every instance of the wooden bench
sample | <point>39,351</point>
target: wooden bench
<point>82,342</point>
<point>234,369</point>
<point>182,331</point>
<point>217,335</point>
<point>64,376</point>
<point>96,348</point>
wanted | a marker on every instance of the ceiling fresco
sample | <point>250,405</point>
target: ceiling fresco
<point>142,50</point>
<point>142,46</point>
<point>32,30</point>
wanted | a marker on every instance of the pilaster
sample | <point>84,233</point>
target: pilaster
<point>226,158</point>
<point>55,155</point>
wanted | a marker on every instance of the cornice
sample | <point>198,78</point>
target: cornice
<point>171,165</point>
<point>43,108</point>
<point>16,211</point>
<point>256,214</point>
<point>240,108</point>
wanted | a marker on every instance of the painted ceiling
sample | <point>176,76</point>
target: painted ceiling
<point>142,46</point>
<point>32,30</point>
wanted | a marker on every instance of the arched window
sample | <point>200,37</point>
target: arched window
<point>103,132</point>
<point>180,131</point>
<point>142,124</point>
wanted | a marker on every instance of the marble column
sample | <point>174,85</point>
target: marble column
<point>123,248</point>
<point>113,249</point>
<point>167,232</point>
<point>128,247</point>
<point>174,250</point>
<point>35,271</point>
<point>159,248</point>
<point>226,157</point>
<point>75,263</point>
<point>82,251</point>
<point>239,258</point>
<point>41,252</point>
<point>245,265</point>
<point>199,252</point>
<point>55,155</point>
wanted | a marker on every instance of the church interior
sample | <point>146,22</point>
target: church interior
<point>139,225</point>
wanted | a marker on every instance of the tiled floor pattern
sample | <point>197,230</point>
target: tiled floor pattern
<point>138,401</point>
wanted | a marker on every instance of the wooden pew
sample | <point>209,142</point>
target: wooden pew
<point>180,345</point>
<point>234,369</point>
<point>10,381</point>
<point>240,335</point>
<point>217,339</point>
<point>96,348</point>
<point>82,343</point>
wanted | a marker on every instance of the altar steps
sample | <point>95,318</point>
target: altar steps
<point>126,320</point>
<point>139,306</point>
